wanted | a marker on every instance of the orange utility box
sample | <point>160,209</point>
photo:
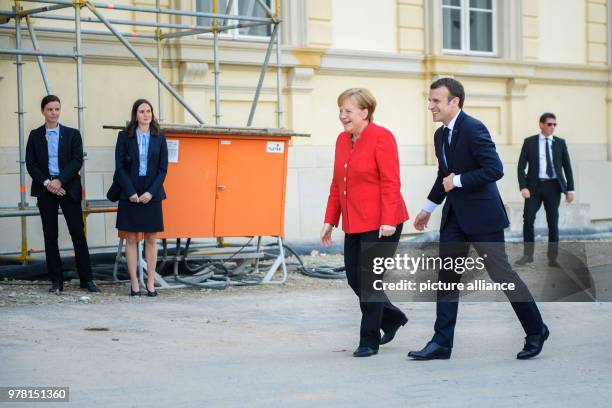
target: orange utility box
<point>225,182</point>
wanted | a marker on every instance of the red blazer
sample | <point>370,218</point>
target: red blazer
<point>365,187</point>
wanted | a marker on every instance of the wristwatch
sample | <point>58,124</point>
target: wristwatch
<point>46,182</point>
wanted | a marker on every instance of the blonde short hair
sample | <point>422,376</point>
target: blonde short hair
<point>363,98</point>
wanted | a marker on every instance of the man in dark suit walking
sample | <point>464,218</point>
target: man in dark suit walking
<point>473,214</point>
<point>54,156</point>
<point>549,174</point>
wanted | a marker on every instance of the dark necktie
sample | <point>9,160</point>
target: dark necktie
<point>549,166</point>
<point>446,146</point>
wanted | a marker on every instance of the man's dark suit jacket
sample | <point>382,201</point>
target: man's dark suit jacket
<point>530,153</point>
<point>127,163</point>
<point>477,205</point>
<point>70,157</point>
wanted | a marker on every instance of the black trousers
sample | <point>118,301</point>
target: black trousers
<point>549,193</point>
<point>48,205</point>
<point>359,263</point>
<point>456,243</point>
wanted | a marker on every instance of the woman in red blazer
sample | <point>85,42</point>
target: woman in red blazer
<point>365,190</point>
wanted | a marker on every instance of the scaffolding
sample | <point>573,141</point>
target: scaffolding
<point>220,22</point>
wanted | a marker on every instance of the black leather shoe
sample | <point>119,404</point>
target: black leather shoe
<point>56,288</point>
<point>432,351</point>
<point>90,286</point>
<point>389,335</point>
<point>524,260</point>
<point>363,351</point>
<point>134,293</point>
<point>151,294</point>
<point>553,263</point>
<point>533,345</point>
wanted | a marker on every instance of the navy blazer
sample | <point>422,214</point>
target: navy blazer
<point>127,163</point>
<point>477,204</point>
<point>70,158</point>
<point>530,153</point>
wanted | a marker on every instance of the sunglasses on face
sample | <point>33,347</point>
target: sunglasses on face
<point>551,124</point>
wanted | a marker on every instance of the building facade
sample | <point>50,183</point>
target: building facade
<point>516,58</point>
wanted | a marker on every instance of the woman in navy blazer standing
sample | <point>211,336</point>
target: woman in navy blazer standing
<point>141,164</point>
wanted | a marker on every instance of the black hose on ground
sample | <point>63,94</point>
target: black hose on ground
<point>318,271</point>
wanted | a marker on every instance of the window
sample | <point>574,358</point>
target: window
<point>250,8</point>
<point>469,27</point>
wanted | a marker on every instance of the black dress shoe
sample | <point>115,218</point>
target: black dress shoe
<point>390,334</point>
<point>524,260</point>
<point>553,263</point>
<point>432,351</point>
<point>151,294</point>
<point>134,293</point>
<point>533,345</point>
<point>56,288</point>
<point>363,351</point>
<point>90,286</point>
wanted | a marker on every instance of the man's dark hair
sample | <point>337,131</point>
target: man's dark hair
<point>547,115</point>
<point>455,89</point>
<point>47,99</point>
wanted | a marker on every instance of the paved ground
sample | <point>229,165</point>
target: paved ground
<point>292,348</point>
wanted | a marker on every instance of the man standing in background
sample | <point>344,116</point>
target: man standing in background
<point>549,174</point>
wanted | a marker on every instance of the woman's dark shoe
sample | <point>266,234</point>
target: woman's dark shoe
<point>134,293</point>
<point>151,294</point>
<point>363,351</point>
<point>390,334</point>
<point>56,288</point>
<point>90,286</point>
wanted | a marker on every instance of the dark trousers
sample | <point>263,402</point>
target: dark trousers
<point>456,243</point>
<point>359,263</point>
<point>549,193</point>
<point>48,205</point>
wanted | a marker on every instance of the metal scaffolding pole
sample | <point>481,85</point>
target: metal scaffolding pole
<point>20,113</point>
<point>279,73</point>
<point>159,10</point>
<point>158,44</point>
<point>143,61</point>
<point>79,68</point>
<point>43,9</point>
<point>267,9</point>
<point>71,31</point>
<point>262,75</point>
<point>210,30</point>
<point>35,53</point>
<point>125,22</point>
<point>41,63</point>
<point>216,63</point>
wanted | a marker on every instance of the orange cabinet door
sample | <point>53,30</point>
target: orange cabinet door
<point>189,210</point>
<point>250,189</point>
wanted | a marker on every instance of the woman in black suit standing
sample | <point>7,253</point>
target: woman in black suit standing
<point>141,164</point>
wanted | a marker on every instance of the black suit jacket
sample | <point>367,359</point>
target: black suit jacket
<point>127,162</point>
<point>70,157</point>
<point>477,204</point>
<point>530,154</point>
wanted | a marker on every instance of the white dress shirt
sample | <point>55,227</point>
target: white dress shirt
<point>429,205</point>
<point>542,156</point>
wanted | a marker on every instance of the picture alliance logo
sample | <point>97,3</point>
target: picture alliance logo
<point>412,264</point>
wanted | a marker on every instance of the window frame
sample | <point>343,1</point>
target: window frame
<point>235,33</point>
<point>465,29</point>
